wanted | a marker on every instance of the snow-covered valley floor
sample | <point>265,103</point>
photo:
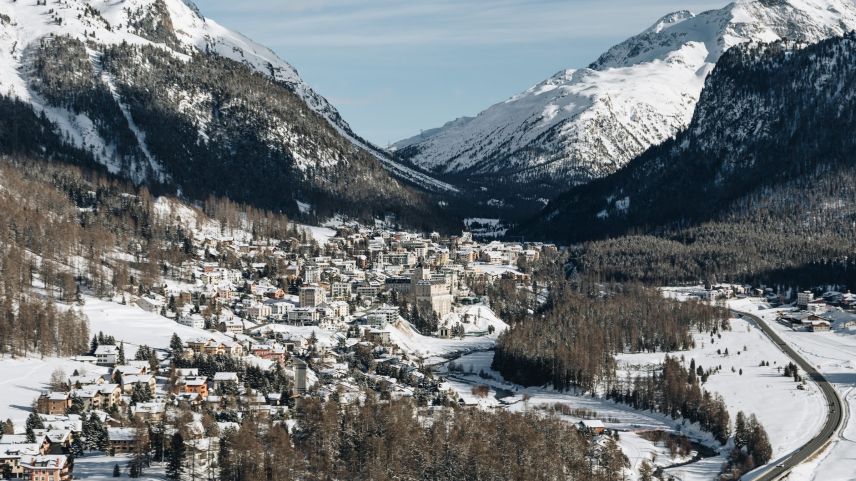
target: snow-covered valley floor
<point>834,355</point>
<point>790,416</point>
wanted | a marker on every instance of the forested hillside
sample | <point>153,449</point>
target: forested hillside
<point>65,229</point>
<point>572,340</point>
<point>387,441</point>
<point>759,185</point>
<point>160,95</point>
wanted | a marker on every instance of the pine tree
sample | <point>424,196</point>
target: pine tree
<point>741,436</point>
<point>176,345</point>
<point>120,358</point>
<point>116,471</point>
<point>34,422</point>
<point>175,463</point>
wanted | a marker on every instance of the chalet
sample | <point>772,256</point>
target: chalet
<point>221,379</point>
<point>11,454</point>
<point>213,347</point>
<point>60,439</point>
<point>192,385</point>
<point>275,294</point>
<point>269,353</point>
<point>131,380</point>
<point>192,399</point>
<point>124,370</point>
<point>106,355</point>
<point>149,411</point>
<point>79,381</point>
<point>46,467</point>
<point>591,426</point>
<point>54,403</point>
<point>121,439</point>
<point>819,326</point>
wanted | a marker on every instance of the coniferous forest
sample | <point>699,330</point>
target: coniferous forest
<point>757,189</point>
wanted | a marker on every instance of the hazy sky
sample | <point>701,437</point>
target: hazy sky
<point>393,67</point>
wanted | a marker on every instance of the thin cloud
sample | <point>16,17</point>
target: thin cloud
<point>374,23</point>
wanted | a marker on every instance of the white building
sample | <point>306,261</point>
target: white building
<point>107,355</point>
<point>195,321</point>
<point>303,316</point>
<point>804,298</point>
<point>340,291</point>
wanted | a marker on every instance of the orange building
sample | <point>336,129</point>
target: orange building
<point>46,467</point>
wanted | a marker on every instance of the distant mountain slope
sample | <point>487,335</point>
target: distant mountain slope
<point>157,93</point>
<point>771,143</point>
<point>584,124</point>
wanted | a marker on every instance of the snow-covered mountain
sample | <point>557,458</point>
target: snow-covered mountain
<point>770,148</point>
<point>156,92</point>
<point>176,25</point>
<point>584,124</point>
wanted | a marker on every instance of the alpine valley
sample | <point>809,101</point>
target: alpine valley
<point>641,270</point>
<point>583,124</point>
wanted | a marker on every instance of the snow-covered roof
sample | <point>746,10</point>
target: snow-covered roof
<point>121,434</point>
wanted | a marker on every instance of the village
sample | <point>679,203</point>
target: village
<point>809,311</point>
<point>327,316</point>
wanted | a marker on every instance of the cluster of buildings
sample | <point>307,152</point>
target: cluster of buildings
<point>263,302</point>
<point>43,458</point>
<point>352,278</point>
<point>832,310</point>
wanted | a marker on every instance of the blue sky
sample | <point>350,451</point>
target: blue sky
<point>393,67</point>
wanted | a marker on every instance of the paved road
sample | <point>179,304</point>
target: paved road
<point>834,418</point>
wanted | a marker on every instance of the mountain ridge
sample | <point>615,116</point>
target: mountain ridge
<point>583,124</point>
<point>773,118</point>
<point>267,117</point>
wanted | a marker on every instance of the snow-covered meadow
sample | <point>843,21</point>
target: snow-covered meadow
<point>834,355</point>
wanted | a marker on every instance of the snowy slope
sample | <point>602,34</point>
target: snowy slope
<point>587,123</point>
<point>29,22</point>
<point>178,27</point>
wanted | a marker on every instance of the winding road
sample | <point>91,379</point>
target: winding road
<point>835,410</point>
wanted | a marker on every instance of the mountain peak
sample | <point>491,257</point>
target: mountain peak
<point>670,19</point>
<point>583,124</point>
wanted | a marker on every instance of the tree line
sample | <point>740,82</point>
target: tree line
<point>387,441</point>
<point>572,340</point>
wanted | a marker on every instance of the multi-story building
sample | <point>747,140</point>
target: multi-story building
<point>46,467</point>
<point>54,403</point>
<point>311,296</point>
<point>340,291</point>
<point>433,296</point>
